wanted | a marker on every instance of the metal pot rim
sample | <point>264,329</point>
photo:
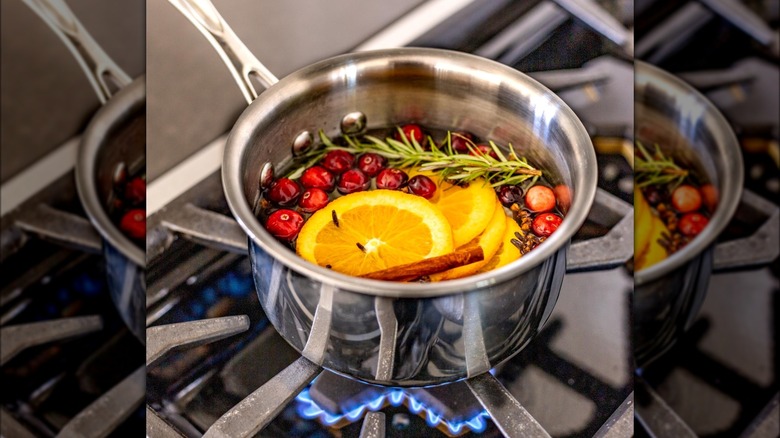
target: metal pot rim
<point>239,141</point>
<point>730,191</point>
<point>128,97</point>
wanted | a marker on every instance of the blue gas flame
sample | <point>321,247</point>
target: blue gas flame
<point>309,409</point>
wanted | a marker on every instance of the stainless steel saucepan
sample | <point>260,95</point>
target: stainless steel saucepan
<point>385,332</point>
<point>114,139</point>
<point>684,124</point>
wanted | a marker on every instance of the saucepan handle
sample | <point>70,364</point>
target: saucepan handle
<point>243,65</point>
<point>614,248</point>
<point>759,248</point>
<point>100,69</point>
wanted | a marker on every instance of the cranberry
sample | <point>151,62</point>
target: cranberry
<point>391,178</point>
<point>318,177</point>
<point>313,199</point>
<point>460,142</point>
<point>135,190</point>
<point>284,224</point>
<point>371,164</point>
<point>546,224</point>
<point>691,224</point>
<point>337,161</point>
<point>540,199</point>
<point>563,194</point>
<point>133,223</point>
<point>353,180</point>
<point>710,195</point>
<point>423,186</point>
<point>509,195</point>
<point>284,192</point>
<point>483,149</point>
<point>686,199</point>
<point>411,132</point>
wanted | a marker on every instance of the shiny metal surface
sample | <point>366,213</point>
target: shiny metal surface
<point>395,86</point>
<point>686,125</point>
<point>116,135</point>
<point>388,86</point>
<point>330,317</point>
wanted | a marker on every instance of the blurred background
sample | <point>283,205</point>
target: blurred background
<point>69,364</point>
<point>720,379</point>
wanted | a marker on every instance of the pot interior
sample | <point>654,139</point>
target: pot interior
<point>116,135</point>
<point>685,125</point>
<point>437,89</point>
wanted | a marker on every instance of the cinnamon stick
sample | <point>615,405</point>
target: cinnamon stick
<point>415,270</point>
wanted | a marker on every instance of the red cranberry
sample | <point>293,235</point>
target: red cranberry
<point>710,195</point>
<point>509,195</point>
<point>563,193</point>
<point>460,142</point>
<point>421,185</point>
<point>337,161</point>
<point>284,192</point>
<point>284,224</point>
<point>483,149</point>
<point>353,180</point>
<point>133,223</point>
<point>318,177</point>
<point>546,224</point>
<point>135,190</point>
<point>391,179</point>
<point>313,199</point>
<point>540,199</point>
<point>686,199</point>
<point>371,164</point>
<point>411,131</point>
<point>691,224</point>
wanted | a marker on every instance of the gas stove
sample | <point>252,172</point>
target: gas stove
<point>721,379</point>
<point>69,365</point>
<point>217,366</point>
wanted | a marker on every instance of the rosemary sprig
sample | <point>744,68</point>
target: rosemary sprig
<point>656,168</point>
<point>455,167</point>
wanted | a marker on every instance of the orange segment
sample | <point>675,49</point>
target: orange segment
<point>489,240</point>
<point>468,209</point>
<point>392,227</point>
<point>507,252</point>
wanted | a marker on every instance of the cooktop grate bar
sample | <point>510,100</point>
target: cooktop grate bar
<point>19,337</point>
<point>767,423</point>
<point>255,411</point>
<point>106,413</point>
<point>621,423</point>
<point>655,415</point>
<point>507,413</point>
<point>162,339</point>
<point>373,425</point>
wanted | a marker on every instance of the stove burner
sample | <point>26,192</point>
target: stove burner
<point>418,401</point>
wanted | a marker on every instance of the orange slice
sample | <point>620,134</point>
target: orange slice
<point>468,209</point>
<point>376,230</point>
<point>507,252</point>
<point>489,240</point>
